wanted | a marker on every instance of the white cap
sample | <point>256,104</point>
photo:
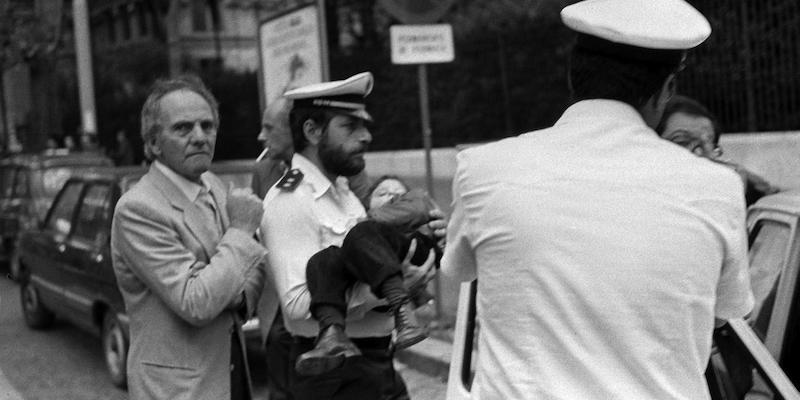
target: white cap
<point>345,96</point>
<point>649,24</point>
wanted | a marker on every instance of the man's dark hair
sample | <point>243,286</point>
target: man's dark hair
<point>690,106</point>
<point>298,116</point>
<point>595,75</point>
<point>152,106</point>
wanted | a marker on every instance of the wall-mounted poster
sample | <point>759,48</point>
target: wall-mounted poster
<point>293,51</point>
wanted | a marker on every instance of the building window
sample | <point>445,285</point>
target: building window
<point>205,15</point>
<point>199,16</point>
<point>141,18</point>
<point>112,27</point>
<point>125,18</point>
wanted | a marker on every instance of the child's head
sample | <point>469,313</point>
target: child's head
<point>385,189</point>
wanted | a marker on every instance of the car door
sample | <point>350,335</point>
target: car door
<point>45,259</point>
<point>775,266</point>
<point>86,254</point>
<point>7,177</point>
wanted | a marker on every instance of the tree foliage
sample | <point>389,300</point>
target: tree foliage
<point>509,75</point>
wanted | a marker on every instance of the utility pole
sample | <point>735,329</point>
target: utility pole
<point>83,55</point>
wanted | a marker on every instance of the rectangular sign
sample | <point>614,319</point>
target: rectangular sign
<point>422,44</point>
<point>292,51</point>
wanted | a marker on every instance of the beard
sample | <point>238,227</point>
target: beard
<point>338,161</point>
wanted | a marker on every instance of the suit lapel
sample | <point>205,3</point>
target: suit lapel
<point>193,218</point>
<point>220,197</point>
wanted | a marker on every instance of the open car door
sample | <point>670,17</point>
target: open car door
<point>741,367</point>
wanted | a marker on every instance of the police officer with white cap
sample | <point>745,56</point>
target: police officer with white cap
<point>312,209</point>
<point>604,253</point>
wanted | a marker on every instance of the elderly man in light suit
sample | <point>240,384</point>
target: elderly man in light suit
<point>186,262</point>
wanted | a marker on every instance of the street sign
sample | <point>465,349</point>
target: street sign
<point>417,11</point>
<point>422,44</point>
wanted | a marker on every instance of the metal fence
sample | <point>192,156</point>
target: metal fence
<point>748,72</point>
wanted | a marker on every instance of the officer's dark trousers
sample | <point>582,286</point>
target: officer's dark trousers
<point>368,377</point>
<point>278,346</point>
<point>371,252</point>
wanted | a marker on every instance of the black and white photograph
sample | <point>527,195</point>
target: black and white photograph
<point>399,200</point>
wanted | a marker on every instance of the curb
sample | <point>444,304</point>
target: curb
<point>7,391</point>
<point>430,357</point>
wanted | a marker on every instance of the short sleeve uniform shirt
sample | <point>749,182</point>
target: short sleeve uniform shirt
<point>298,223</point>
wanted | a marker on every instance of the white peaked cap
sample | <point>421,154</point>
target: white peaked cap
<point>650,24</point>
<point>345,96</point>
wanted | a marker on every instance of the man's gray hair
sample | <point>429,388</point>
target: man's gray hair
<point>151,109</point>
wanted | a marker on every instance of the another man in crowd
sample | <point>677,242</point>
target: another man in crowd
<point>688,123</point>
<point>276,138</point>
<point>184,255</point>
<point>312,208</point>
<point>604,253</point>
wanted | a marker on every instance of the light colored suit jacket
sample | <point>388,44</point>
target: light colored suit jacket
<point>181,284</point>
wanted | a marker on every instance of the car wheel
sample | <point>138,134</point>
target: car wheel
<point>37,316</point>
<point>115,349</point>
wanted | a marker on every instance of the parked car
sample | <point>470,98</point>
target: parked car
<point>65,264</point>
<point>29,183</point>
<point>66,267</point>
<point>757,358</point>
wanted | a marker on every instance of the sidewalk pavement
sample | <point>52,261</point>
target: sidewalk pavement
<point>7,391</point>
<point>432,355</point>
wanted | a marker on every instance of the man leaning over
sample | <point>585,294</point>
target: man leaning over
<point>612,250</point>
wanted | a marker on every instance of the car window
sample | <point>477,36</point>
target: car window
<point>60,219</point>
<point>790,356</point>
<point>54,178</point>
<point>742,368</point>
<point>769,243</point>
<point>21,184</point>
<point>91,223</point>
<point>7,181</point>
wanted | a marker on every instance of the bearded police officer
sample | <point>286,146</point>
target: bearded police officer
<point>312,208</point>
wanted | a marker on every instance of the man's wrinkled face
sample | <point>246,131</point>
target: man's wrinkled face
<point>188,134</point>
<point>693,132</point>
<point>343,143</point>
<point>276,135</point>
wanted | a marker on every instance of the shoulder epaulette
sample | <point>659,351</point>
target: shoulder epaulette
<point>291,179</point>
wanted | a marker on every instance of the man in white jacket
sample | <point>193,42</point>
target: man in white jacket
<point>603,253</point>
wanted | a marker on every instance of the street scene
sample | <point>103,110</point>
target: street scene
<point>399,199</point>
<point>67,363</point>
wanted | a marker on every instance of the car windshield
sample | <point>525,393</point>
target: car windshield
<point>53,178</point>
<point>6,182</point>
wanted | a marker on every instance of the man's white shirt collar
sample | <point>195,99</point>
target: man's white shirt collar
<point>318,181</point>
<point>190,189</point>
